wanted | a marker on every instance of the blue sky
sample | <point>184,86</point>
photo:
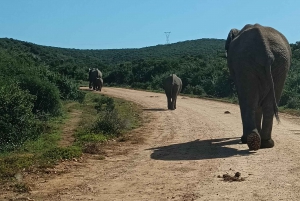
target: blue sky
<point>114,24</point>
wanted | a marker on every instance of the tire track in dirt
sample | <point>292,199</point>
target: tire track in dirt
<point>67,137</point>
<point>183,153</point>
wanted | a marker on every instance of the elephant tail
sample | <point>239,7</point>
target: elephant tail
<point>275,106</point>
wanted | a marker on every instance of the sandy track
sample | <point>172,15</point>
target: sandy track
<point>183,153</point>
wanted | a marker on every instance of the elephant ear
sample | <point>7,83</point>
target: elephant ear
<point>232,34</point>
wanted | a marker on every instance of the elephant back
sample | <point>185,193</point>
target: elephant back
<point>255,43</point>
<point>99,73</point>
<point>96,74</point>
<point>172,80</point>
<point>176,80</point>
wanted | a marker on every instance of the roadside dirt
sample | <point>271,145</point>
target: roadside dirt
<point>69,129</point>
<point>183,154</point>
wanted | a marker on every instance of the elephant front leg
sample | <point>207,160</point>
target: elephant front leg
<point>175,91</point>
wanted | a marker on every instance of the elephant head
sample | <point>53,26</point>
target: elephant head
<point>232,35</point>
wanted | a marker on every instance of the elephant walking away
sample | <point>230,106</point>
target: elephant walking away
<point>258,58</point>
<point>172,86</point>
<point>98,84</point>
<point>95,79</point>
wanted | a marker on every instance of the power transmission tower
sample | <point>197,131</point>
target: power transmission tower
<point>167,37</point>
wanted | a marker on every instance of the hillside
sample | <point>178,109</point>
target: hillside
<point>200,63</point>
<point>114,56</point>
<point>136,67</point>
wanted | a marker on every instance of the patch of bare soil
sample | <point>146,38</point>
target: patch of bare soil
<point>180,156</point>
<point>69,129</point>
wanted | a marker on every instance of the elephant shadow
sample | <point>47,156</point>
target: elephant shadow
<point>199,150</point>
<point>154,109</point>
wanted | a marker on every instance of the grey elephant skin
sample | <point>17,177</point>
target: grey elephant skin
<point>95,79</point>
<point>172,86</point>
<point>258,58</point>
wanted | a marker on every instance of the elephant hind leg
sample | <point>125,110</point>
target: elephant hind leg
<point>169,103</point>
<point>175,90</point>
<point>267,123</point>
<point>267,144</point>
<point>258,117</point>
<point>254,141</point>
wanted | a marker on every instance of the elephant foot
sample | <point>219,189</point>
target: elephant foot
<point>244,139</point>
<point>267,144</point>
<point>253,141</point>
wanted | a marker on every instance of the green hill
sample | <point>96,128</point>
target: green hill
<point>142,68</point>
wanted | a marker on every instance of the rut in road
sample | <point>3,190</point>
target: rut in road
<point>183,153</point>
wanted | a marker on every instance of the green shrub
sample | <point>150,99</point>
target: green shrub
<point>57,153</point>
<point>109,123</point>
<point>293,103</point>
<point>105,104</point>
<point>17,122</point>
<point>47,95</point>
<point>85,136</point>
<point>11,164</point>
<point>196,90</point>
<point>69,89</point>
<point>188,89</point>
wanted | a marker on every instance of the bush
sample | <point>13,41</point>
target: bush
<point>188,90</point>
<point>69,89</point>
<point>47,95</point>
<point>196,90</point>
<point>109,123</point>
<point>17,122</point>
<point>104,104</point>
<point>293,103</point>
<point>57,153</point>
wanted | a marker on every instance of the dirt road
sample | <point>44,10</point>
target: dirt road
<point>183,153</point>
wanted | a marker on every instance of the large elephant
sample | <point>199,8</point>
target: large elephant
<point>258,58</point>
<point>95,79</point>
<point>172,86</point>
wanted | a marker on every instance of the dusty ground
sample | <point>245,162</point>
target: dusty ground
<point>69,129</point>
<point>182,157</point>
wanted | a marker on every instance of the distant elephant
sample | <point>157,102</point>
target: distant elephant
<point>95,79</point>
<point>98,84</point>
<point>172,86</point>
<point>258,58</point>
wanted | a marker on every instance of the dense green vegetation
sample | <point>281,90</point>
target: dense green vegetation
<point>103,118</point>
<point>30,95</point>
<point>34,79</point>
